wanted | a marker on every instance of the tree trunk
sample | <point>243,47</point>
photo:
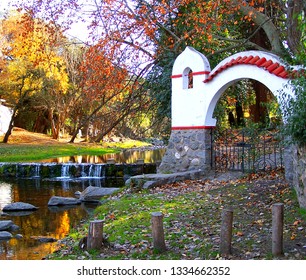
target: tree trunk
<point>239,114</point>
<point>10,128</point>
<point>75,133</point>
<point>9,131</point>
<point>54,125</point>
<point>263,21</point>
<point>112,126</point>
<point>295,8</point>
<point>258,111</point>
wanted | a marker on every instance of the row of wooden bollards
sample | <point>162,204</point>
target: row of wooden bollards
<point>95,232</point>
<point>277,230</point>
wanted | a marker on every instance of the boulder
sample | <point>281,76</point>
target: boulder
<point>19,213</point>
<point>6,225</point>
<point>18,236</point>
<point>5,235</point>
<point>158,179</point>
<point>3,214</point>
<point>93,194</point>
<point>60,208</point>
<point>44,239</point>
<point>59,200</point>
<point>19,206</point>
<point>77,194</point>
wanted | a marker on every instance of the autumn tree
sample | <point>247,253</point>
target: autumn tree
<point>109,94</point>
<point>32,66</point>
<point>144,36</point>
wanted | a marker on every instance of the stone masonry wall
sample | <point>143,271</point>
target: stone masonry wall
<point>295,171</point>
<point>299,174</point>
<point>187,150</point>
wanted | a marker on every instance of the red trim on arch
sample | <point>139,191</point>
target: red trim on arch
<point>193,74</point>
<point>192,127</point>
<point>273,67</point>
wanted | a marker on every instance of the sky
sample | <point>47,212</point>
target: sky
<point>78,30</point>
<point>4,4</point>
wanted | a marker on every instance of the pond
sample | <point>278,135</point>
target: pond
<point>55,222</point>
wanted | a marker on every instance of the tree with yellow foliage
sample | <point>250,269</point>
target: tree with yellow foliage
<point>31,66</point>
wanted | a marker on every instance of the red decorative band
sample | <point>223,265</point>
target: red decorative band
<point>192,127</point>
<point>200,73</point>
<point>193,74</point>
<point>176,76</point>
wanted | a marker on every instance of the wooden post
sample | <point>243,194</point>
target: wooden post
<point>95,235</point>
<point>277,228</point>
<point>158,231</point>
<point>226,232</point>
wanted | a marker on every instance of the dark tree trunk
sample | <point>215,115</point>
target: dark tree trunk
<point>10,128</point>
<point>9,132</point>
<point>239,114</point>
<point>259,111</point>
<point>295,8</point>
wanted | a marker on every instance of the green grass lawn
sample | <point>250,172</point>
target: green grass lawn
<point>33,152</point>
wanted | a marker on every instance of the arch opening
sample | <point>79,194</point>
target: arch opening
<point>246,101</point>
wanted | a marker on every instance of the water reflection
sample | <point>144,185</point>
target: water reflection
<point>127,156</point>
<point>45,221</point>
<point>5,194</point>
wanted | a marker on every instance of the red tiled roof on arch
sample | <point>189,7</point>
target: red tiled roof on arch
<point>272,67</point>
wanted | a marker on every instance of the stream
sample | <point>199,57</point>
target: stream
<point>54,222</point>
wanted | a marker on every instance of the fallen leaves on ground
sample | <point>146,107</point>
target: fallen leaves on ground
<point>192,218</point>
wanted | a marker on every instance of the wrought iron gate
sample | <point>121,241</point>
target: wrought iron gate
<point>247,151</point>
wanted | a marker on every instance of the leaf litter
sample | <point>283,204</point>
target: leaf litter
<point>192,219</point>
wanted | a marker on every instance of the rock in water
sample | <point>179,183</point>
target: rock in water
<point>44,239</point>
<point>58,200</point>
<point>96,193</point>
<point>5,235</point>
<point>19,206</point>
<point>6,225</point>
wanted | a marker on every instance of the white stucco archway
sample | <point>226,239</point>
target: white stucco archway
<point>193,106</point>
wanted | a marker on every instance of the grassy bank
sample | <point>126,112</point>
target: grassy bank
<point>25,153</point>
<point>32,152</point>
<point>192,216</point>
<point>26,146</point>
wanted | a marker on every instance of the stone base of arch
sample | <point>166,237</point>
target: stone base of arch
<point>188,149</point>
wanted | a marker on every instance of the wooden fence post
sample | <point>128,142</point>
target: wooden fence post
<point>277,228</point>
<point>95,235</point>
<point>226,232</point>
<point>158,231</point>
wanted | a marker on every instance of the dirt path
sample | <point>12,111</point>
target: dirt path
<point>22,136</point>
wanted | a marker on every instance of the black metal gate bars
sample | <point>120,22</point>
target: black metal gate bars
<point>246,150</point>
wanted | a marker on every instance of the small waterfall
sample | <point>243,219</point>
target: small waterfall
<point>54,171</point>
<point>65,171</point>
<point>83,170</point>
<point>95,171</point>
<point>36,171</point>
